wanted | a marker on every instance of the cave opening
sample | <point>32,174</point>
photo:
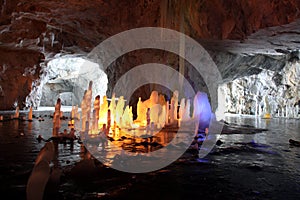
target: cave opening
<point>66,77</point>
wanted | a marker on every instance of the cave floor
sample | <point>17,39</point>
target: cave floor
<point>255,164</point>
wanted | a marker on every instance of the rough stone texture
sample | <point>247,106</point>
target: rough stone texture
<point>139,57</point>
<point>67,77</point>
<point>18,69</point>
<point>223,19</point>
<point>76,27</point>
<point>281,88</point>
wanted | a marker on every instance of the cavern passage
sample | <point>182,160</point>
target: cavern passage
<point>47,59</point>
<point>243,38</point>
<point>66,77</point>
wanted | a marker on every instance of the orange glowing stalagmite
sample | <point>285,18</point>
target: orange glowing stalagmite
<point>108,121</point>
<point>167,113</point>
<point>141,113</point>
<point>171,111</point>
<point>157,115</point>
<point>94,123</point>
<point>148,117</point>
<point>103,111</point>
<point>16,115</point>
<point>97,106</point>
<point>56,118</point>
<point>127,118</point>
<point>119,110</point>
<point>30,114</point>
<point>112,108</point>
<point>115,119</point>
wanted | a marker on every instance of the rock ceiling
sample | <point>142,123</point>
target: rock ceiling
<point>242,36</point>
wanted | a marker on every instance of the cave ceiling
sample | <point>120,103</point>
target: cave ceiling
<point>253,34</point>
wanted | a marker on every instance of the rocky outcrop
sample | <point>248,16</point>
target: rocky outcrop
<point>277,91</point>
<point>19,68</point>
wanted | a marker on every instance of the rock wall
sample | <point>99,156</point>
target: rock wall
<point>67,77</point>
<point>278,90</point>
<point>19,69</point>
<point>139,57</point>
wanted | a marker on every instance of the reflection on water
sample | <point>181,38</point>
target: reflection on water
<point>138,150</point>
<point>24,148</point>
<point>266,149</point>
<point>269,150</point>
<point>18,143</point>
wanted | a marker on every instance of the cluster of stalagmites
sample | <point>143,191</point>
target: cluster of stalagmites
<point>154,113</point>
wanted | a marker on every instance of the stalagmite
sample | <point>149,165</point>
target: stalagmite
<point>88,99</point>
<point>153,100</point>
<point>148,117</point>
<point>155,111</point>
<point>95,121</point>
<point>175,99</point>
<point>202,110</point>
<point>181,108</point>
<point>76,114</point>
<point>167,113</point>
<point>73,112</point>
<point>112,108</point>
<point>171,111</point>
<point>126,118</point>
<point>16,116</point>
<point>108,119</point>
<point>186,114</point>
<point>103,111</point>
<point>141,111</point>
<point>56,118</point>
<point>97,106</point>
<point>162,117</point>
<point>158,114</point>
<point>30,114</point>
<point>83,112</point>
<point>119,110</point>
<point>266,112</point>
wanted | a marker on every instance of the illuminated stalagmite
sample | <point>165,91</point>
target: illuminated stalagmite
<point>153,113</point>
<point>202,110</point>
<point>56,118</point>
